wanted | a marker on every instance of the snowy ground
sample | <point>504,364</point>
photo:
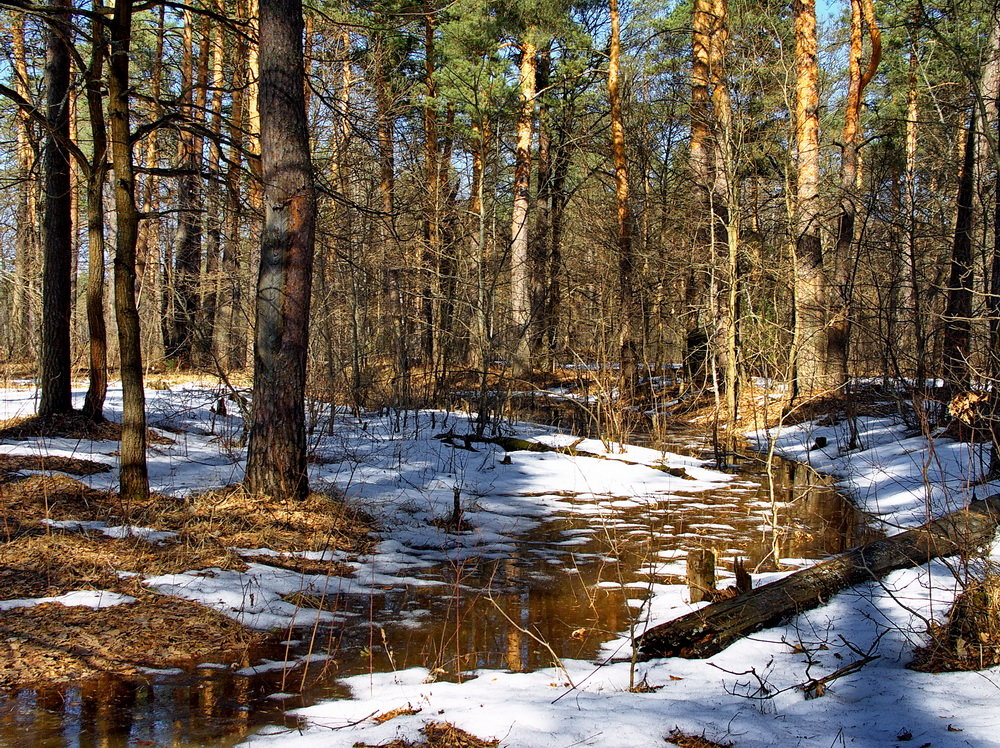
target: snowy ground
<point>747,694</point>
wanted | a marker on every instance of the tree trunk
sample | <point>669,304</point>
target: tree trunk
<point>134,478</point>
<point>22,315</point>
<point>152,275</point>
<point>708,631</point>
<point>626,261</point>
<point>810,280</point>
<point>230,330</point>
<point>432,185</point>
<point>725,212</point>
<point>213,285</point>
<point>520,288</point>
<point>57,228</point>
<point>958,311</point>
<point>910,202</point>
<point>93,406</point>
<point>276,459</point>
<point>188,240</point>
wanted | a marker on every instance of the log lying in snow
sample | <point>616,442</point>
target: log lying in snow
<point>705,632</point>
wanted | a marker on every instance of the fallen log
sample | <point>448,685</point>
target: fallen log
<point>711,629</point>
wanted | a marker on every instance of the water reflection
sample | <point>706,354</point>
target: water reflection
<point>572,584</point>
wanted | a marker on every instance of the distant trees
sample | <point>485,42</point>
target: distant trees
<point>500,188</point>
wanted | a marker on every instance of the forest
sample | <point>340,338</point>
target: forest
<point>353,347</point>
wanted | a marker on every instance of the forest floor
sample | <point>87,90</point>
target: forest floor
<point>88,584</point>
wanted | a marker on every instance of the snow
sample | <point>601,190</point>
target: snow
<point>95,599</point>
<point>748,694</point>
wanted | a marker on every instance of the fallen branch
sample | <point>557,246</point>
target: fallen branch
<point>816,687</point>
<point>711,629</point>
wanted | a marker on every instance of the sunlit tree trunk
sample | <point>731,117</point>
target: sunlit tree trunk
<point>910,206</point>
<point>725,211</point>
<point>213,282</point>
<point>26,238</point>
<point>520,290</point>
<point>276,458</point>
<point>810,346</point>
<point>432,250</point>
<point>230,331</point>
<point>188,240</point>
<point>626,260</point>
<point>152,274</point>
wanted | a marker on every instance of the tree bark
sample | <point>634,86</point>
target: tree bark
<point>57,228</point>
<point>23,317</point>
<point>93,405</point>
<point>711,629</point>
<point>626,260</point>
<point>134,478</point>
<point>810,346</point>
<point>276,459</point>
<point>520,288</point>
<point>958,311</point>
<point>230,330</point>
<point>188,239</point>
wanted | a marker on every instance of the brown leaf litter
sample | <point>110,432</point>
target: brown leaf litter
<point>49,565</point>
<point>236,518</point>
<point>73,425</point>
<point>683,740</point>
<point>58,644</point>
<point>438,735</point>
<point>16,463</point>
<point>52,643</point>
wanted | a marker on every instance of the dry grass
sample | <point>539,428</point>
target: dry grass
<point>438,735</point>
<point>56,644</point>
<point>970,638</point>
<point>48,565</point>
<point>233,517</point>
<point>27,501</point>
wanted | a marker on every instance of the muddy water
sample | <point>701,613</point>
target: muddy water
<point>572,583</point>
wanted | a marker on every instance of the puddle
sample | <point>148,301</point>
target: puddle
<point>571,585</point>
